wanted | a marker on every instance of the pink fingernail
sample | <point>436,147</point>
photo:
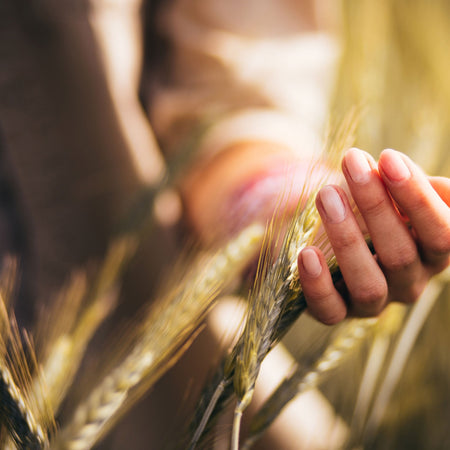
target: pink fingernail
<point>394,166</point>
<point>332,204</point>
<point>311,262</point>
<point>357,165</point>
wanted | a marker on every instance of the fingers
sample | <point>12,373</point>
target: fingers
<point>428,213</point>
<point>363,277</point>
<point>396,250</point>
<point>324,301</point>
<point>407,254</point>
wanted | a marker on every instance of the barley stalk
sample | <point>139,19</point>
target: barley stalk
<point>68,344</point>
<point>278,289</point>
<point>27,422</point>
<point>8,279</point>
<point>169,326</point>
<point>220,389</point>
<point>68,350</point>
<point>272,296</point>
<point>350,335</point>
<point>238,411</point>
<point>249,342</point>
<point>17,415</point>
<point>390,322</point>
<point>275,303</point>
<point>403,348</point>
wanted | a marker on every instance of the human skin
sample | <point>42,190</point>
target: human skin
<point>410,246</point>
<point>246,181</point>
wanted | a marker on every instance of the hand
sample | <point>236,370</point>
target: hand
<point>407,216</point>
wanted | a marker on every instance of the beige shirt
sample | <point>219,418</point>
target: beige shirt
<point>253,68</point>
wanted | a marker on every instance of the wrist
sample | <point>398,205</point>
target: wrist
<point>246,182</point>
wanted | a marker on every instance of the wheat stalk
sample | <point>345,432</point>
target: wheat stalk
<point>8,279</point>
<point>16,413</point>
<point>170,325</point>
<point>349,336</point>
<point>403,348</point>
<point>278,290</point>
<point>269,301</point>
<point>28,422</point>
<point>214,397</point>
<point>67,343</point>
<point>68,350</point>
<point>390,322</point>
<point>275,303</point>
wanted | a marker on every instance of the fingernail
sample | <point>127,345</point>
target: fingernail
<point>357,165</point>
<point>311,262</point>
<point>394,166</point>
<point>332,204</point>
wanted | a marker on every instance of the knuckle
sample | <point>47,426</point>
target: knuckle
<point>440,244</point>
<point>372,296</point>
<point>318,296</point>
<point>410,293</point>
<point>438,266</point>
<point>400,260</point>
<point>415,292</point>
<point>346,241</point>
<point>325,307</point>
<point>333,319</point>
<point>374,207</point>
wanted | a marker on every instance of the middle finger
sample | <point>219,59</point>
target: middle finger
<point>394,245</point>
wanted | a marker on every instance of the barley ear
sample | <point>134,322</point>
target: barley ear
<point>347,339</point>
<point>28,423</point>
<point>165,334</point>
